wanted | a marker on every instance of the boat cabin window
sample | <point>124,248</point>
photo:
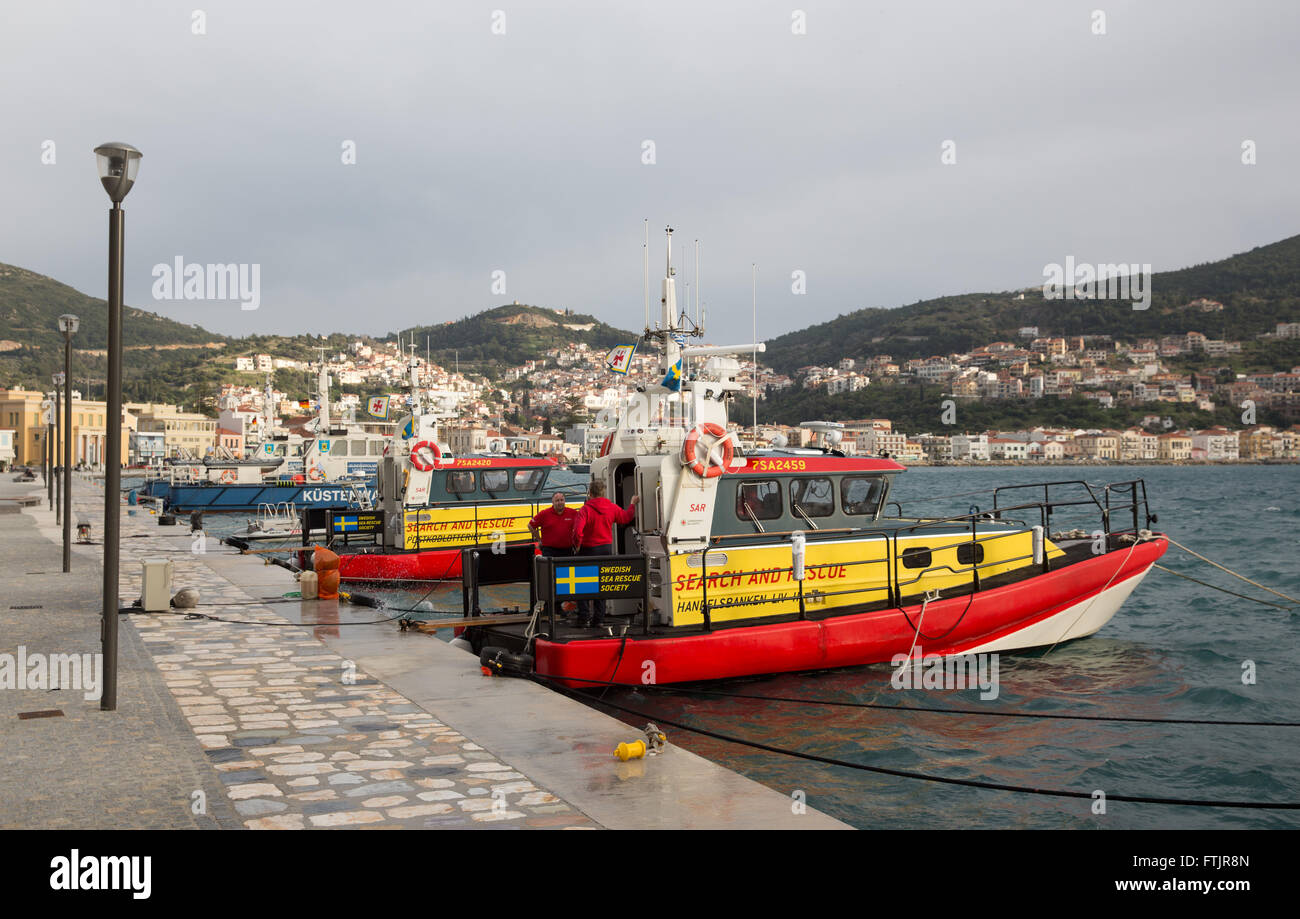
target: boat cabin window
<point>495,480</point>
<point>970,553</point>
<point>814,497</point>
<point>860,494</point>
<point>460,482</point>
<point>916,557</point>
<point>358,448</point>
<point>529,479</point>
<point>759,500</point>
<point>376,448</point>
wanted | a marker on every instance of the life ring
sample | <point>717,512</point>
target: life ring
<point>228,476</point>
<point>315,473</point>
<point>711,469</point>
<point>419,462</point>
<point>606,443</point>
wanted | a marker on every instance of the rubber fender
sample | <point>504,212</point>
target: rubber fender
<point>500,662</point>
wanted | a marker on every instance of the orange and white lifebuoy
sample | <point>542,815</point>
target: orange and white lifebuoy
<point>708,468</point>
<point>315,473</point>
<point>420,462</point>
<point>606,443</point>
<point>228,476</point>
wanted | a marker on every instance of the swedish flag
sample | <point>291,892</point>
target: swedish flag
<point>408,429</point>
<point>345,524</point>
<point>673,379</point>
<point>584,579</point>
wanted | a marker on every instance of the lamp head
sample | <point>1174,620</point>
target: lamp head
<point>59,378</point>
<point>118,165</point>
<point>68,324</point>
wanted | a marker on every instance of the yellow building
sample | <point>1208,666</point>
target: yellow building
<point>183,432</point>
<point>20,410</point>
<point>1175,446</point>
<point>1099,446</point>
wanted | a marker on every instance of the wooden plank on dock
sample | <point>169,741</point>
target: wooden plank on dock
<point>436,624</point>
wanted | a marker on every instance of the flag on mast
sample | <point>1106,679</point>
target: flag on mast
<point>378,406</point>
<point>619,359</point>
<point>673,379</point>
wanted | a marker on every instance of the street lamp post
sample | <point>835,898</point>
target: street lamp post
<point>54,453</point>
<point>51,410</point>
<point>117,165</point>
<point>68,326</point>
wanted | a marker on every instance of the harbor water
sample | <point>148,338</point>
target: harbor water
<point>1175,650</point>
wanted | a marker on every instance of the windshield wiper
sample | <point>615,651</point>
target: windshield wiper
<point>794,505</point>
<point>749,512</point>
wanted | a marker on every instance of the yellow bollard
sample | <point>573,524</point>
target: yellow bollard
<point>634,750</point>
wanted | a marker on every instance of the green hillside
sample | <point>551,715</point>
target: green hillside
<point>509,335</point>
<point>1258,289</point>
<point>30,305</point>
<point>164,360</point>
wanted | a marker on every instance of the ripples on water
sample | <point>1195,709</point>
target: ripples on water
<point>1174,650</point>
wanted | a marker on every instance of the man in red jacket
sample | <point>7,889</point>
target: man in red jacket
<point>593,535</point>
<point>553,527</point>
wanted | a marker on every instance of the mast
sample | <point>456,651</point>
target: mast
<point>414,382</point>
<point>645,273</point>
<point>268,428</point>
<point>672,350</point>
<point>323,392</point>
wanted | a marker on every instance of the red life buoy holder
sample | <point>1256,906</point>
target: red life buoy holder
<point>419,462</point>
<point>605,444</point>
<point>707,469</point>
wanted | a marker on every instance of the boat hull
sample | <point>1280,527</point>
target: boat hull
<point>234,498</point>
<point>425,565</point>
<point>1071,602</point>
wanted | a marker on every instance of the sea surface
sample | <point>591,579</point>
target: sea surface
<point>1174,650</point>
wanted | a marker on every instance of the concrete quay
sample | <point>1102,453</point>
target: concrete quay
<point>304,714</point>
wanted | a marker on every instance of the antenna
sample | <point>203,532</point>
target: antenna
<point>645,271</point>
<point>753,285</point>
<point>697,283</point>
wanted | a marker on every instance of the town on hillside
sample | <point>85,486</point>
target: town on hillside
<point>562,405</point>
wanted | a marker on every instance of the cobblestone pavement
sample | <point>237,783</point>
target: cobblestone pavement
<point>298,738</point>
<point>138,767</point>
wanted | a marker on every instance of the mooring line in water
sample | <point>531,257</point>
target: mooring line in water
<point>925,709</point>
<point>1188,577</point>
<point>944,780</point>
<point>1174,542</point>
<point>1138,540</point>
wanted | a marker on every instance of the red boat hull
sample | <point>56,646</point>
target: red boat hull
<point>427,565</point>
<point>1060,605</point>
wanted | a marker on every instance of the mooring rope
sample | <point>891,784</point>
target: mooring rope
<point>1188,577</point>
<point>1242,577</point>
<point>1137,540</point>
<point>924,710</point>
<point>944,780</point>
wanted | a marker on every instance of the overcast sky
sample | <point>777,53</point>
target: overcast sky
<point>523,152</point>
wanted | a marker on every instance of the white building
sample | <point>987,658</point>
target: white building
<point>1218,444</point>
<point>970,446</point>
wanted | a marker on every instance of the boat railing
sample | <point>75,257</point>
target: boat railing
<point>1134,490</point>
<point>896,587</point>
